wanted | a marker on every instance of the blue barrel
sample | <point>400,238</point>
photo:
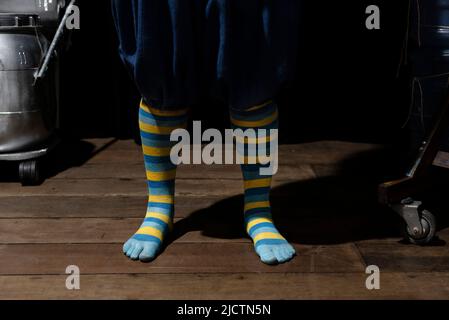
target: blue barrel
<point>428,22</point>
<point>429,58</point>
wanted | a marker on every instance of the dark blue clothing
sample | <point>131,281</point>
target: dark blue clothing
<point>179,51</point>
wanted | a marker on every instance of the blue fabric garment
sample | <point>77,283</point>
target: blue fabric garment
<point>178,51</point>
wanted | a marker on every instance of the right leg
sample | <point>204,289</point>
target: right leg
<point>269,244</point>
<point>155,128</point>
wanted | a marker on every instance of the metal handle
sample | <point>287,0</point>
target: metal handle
<point>40,73</point>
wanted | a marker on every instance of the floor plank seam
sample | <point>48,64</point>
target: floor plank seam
<point>359,254</point>
<point>413,274</point>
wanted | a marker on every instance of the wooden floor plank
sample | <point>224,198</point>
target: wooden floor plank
<point>177,258</point>
<point>203,172</point>
<point>125,187</point>
<point>126,151</point>
<point>394,256</point>
<point>205,228</point>
<point>112,187</point>
<point>95,230</point>
<point>313,150</point>
<point>346,286</point>
<point>130,206</point>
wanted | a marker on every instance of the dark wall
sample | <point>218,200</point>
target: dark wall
<point>98,97</point>
<point>346,87</point>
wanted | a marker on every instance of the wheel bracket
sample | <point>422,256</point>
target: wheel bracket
<point>408,209</point>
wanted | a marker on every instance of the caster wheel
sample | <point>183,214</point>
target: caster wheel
<point>29,173</point>
<point>428,223</point>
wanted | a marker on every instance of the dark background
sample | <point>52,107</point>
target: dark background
<point>346,85</point>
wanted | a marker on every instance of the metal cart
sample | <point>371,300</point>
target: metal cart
<point>29,108</point>
<point>427,47</point>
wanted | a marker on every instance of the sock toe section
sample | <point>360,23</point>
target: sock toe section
<point>149,252</point>
<point>277,250</point>
<point>286,253</point>
<point>290,249</point>
<point>274,254</point>
<point>126,247</point>
<point>136,251</point>
<point>141,250</point>
<point>266,255</point>
<point>130,248</point>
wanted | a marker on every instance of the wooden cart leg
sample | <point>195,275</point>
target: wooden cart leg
<point>398,194</point>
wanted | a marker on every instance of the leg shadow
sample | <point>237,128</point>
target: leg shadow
<point>321,211</point>
<point>333,209</point>
<point>336,208</point>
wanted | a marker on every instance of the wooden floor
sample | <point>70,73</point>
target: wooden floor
<point>324,201</point>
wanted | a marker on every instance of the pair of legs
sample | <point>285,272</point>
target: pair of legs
<point>156,126</point>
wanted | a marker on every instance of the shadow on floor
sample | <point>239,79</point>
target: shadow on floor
<point>321,211</point>
<point>340,208</point>
<point>68,154</point>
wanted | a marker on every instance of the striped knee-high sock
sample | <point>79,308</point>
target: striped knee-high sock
<point>269,243</point>
<point>155,128</point>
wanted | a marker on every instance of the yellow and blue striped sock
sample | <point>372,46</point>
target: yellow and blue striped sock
<point>155,129</point>
<point>269,244</point>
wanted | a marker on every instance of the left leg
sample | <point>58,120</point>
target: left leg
<point>269,244</point>
<point>155,129</point>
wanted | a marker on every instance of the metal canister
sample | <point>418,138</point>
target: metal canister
<point>49,11</point>
<point>27,109</point>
